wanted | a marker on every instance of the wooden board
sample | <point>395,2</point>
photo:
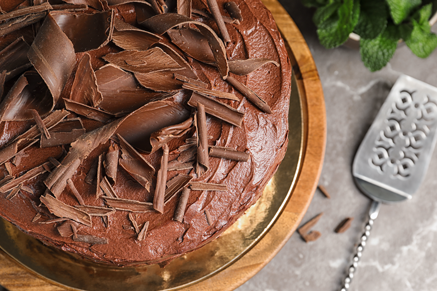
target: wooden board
<point>17,278</point>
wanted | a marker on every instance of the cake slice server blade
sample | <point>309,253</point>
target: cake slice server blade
<point>394,156</point>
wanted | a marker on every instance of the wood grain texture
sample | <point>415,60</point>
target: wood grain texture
<point>16,278</point>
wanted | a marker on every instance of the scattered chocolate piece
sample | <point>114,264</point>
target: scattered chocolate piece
<point>85,89</point>
<point>32,173</point>
<point>166,134</point>
<point>8,167</point>
<point>53,221</point>
<point>90,239</point>
<point>228,153</point>
<point>207,92</point>
<point>75,192</point>
<point>6,179</point>
<point>54,118</point>
<point>20,22</point>
<point>189,154</point>
<point>218,109</point>
<point>244,67</point>
<point>191,81</point>
<point>93,3</point>
<point>99,175</point>
<point>175,185</point>
<point>57,180</point>
<point>187,146</point>
<point>27,189</point>
<point>201,186</point>
<point>134,222</point>
<point>107,188</point>
<point>129,205</point>
<point>202,144</point>
<point>344,225</point>
<point>324,191</point>
<point>14,192</point>
<point>208,217</point>
<point>175,165</point>
<point>143,232</point>
<point>62,210</point>
<point>40,124</point>
<point>65,132</point>
<point>159,81</point>
<point>87,111</point>
<point>36,217</point>
<point>15,149</point>
<point>157,8</point>
<point>129,37</point>
<point>182,205</point>
<point>186,69</point>
<point>184,7</point>
<point>96,210</point>
<point>233,10</point>
<point>158,199</point>
<point>305,232</point>
<point>13,58</point>
<point>25,11</point>
<point>215,10</point>
<point>111,162</point>
<point>70,7</point>
<point>92,173</point>
<point>65,229</point>
<point>249,94</point>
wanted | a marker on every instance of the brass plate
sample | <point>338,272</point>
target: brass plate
<point>66,270</point>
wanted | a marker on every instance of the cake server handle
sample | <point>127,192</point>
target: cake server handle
<point>373,214</point>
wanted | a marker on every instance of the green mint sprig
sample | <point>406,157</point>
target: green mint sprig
<point>381,24</point>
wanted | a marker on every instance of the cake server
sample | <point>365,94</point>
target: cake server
<point>392,160</point>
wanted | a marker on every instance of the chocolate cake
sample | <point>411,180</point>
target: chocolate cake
<point>133,132</point>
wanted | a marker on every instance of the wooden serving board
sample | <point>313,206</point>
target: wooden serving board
<point>17,278</point>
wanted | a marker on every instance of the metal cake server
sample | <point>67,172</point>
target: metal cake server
<point>392,160</point>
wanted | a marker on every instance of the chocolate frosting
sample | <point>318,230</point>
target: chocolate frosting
<point>264,136</point>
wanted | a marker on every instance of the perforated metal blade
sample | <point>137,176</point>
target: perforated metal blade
<point>392,160</point>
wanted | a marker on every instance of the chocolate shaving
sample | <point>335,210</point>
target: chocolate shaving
<point>99,175</point>
<point>2,83</point>
<point>165,135</point>
<point>50,121</point>
<point>32,173</point>
<point>159,81</point>
<point>175,185</point>
<point>65,229</point>
<point>8,167</point>
<point>186,69</point>
<point>96,210</point>
<point>129,37</point>
<point>18,23</point>
<point>244,67</point>
<point>111,162</point>
<point>135,164</point>
<point>218,109</point>
<point>57,180</point>
<point>36,217</point>
<point>202,144</point>
<point>207,92</point>
<point>14,192</point>
<point>75,192</point>
<point>77,27</point>
<point>53,221</point>
<point>324,191</point>
<point>191,81</point>
<point>182,205</point>
<point>52,55</point>
<point>201,186</point>
<point>6,179</point>
<point>63,210</point>
<point>158,199</point>
<point>143,232</point>
<point>185,147</point>
<point>85,89</point>
<point>233,10</point>
<point>249,94</point>
<point>151,60</point>
<point>129,205</point>
<point>205,14</point>
<point>93,3</point>
<point>70,7</point>
<point>87,111</point>
<point>65,132</point>
<point>188,155</point>
<point>215,10</point>
<point>160,24</point>
<point>305,232</point>
<point>25,11</point>
<point>134,222</point>
<point>92,173</point>
<point>13,58</point>
<point>344,225</point>
<point>90,239</point>
<point>229,153</point>
<point>27,189</point>
<point>107,188</point>
<point>178,166</point>
<point>184,7</point>
<point>208,217</point>
<point>157,8</point>
<point>193,43</point>
<point>16,148</point>
<point>40,124</point>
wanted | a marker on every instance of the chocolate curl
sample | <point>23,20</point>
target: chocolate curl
<point>207,92</point>
<point>186,69</point>
<point>107,188</point>
<point>175,185</point>
<point>178,166</point>
<point>40,124</point>
<point>134,222</point>
<point>85,89</point>
<point>14,192</point>
<point>70,7</point>
<point>184,7</point>
<point>129,205</point>
<point>87,111</point>
<point>182,205</point>
<point>143,232</point>
<point>202,144</point>
<point>75,192</point>
<point>65,132</point>
<point>158,199</point>
<point>186,37</point>
<point>190,81</point>
<point>244,67</point>
<point>63,210</point>
<point>13,58</point>
<point>208,217</point>
<point>233,10</point>
<point>201,186</point>
<point>165,135</point>
<point>66,173</point>
<point>159,81</point>
<point>215,10</point>
<point>91,173</point>
<point>96,211</point>
<point>111,162</point>
<point>93,3</point>
<point>99,176</point>
<point>20,22</point>
<point>228,153</point>
<point>160,24</point>
<point>250,95</point>
<point>157,8</point>
<point>218,109</point>
<point>65,229</point>
<point>26,10</point>
<point>129,37</point>
<point>50,121</point>
<point>15,148</point>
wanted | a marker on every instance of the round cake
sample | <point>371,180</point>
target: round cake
<point>133,132</point>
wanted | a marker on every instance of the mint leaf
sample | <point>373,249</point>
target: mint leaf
<point>335,30</point>
<point>315,3</point>
<point>400,9</point>
<point>323,13</point>
<point>423,14</point>
<point>373,18</point>
<point>377,52</point>
<point>422,41</point>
